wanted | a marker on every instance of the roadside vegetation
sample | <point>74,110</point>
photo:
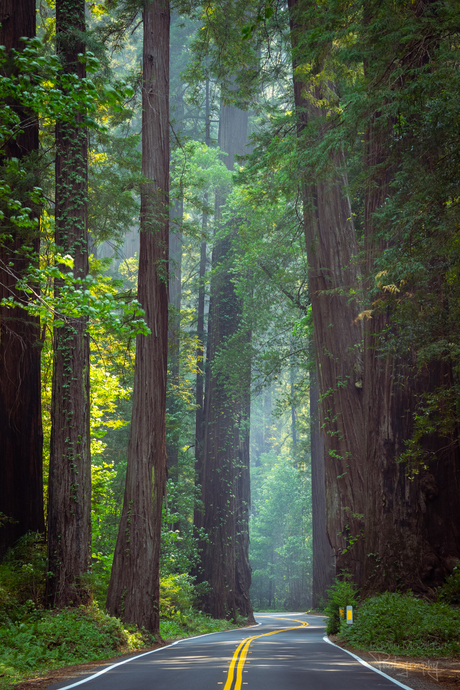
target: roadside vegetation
<point>34,640</point>
<point>399,623</point>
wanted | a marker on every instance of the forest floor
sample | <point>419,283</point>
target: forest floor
<point>419,673</point>
<point>57,675</point>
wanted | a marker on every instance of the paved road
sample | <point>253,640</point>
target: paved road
<point>285,652</point>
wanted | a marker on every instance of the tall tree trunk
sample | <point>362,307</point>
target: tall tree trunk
<point>201,335</point>
<point>21,488</point>
<point>323,555</point>
<point>412,522</point>
<point>199,391</point>
<point>226,453</point>
<point>69,516</point>
<point>331,251</point>
<point>134,584</point>
<point>243,504</point>
<point>175,289</point>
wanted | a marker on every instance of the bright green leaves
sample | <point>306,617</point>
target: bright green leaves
<point>93,297</point>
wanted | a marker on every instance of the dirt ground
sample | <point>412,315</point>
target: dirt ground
<point>69,672</point>
<point>420,673</point>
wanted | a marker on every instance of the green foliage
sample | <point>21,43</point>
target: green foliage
<point>176,595</point>
<point>340,595</point>
<point>197,623</point>
<point>280,535</point>
<point>450,591</point>
<point>22,578</point>
<point>50,639</point>
<point>402,624</point>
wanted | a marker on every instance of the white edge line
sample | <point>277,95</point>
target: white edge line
<point>364,663</point>
<point>152,651</point>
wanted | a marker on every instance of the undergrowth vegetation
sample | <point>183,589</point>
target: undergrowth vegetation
<point>399,623</point>
<point>34,640</point>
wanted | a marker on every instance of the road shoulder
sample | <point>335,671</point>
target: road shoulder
<point>419,673</point>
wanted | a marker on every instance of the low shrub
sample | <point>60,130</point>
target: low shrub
<point>52,639</point>
<point>22,578</point>
<point>403,624</point>
<point>340,595</point>
<point>450,591</point>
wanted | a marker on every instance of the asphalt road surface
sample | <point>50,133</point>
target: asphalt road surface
<point>286,651</point>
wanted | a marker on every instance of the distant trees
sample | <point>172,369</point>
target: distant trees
<point>281,542</point>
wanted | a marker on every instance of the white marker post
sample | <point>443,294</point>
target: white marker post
<point>349,615</point>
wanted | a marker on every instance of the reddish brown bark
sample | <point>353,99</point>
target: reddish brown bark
<point>133,592</point>
<point>69,497</point>
<point>172,402</point>
<point>21,488</point>
<point>412,521</point>
<point>225,470</point>
<point>323,555</point>
<point>331,251</point>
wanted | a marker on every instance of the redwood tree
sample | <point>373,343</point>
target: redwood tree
<point>21,488</point>
<point>225,470</point>
<point>69,497</point>
<point>332,249</point>
<point>133,592</point>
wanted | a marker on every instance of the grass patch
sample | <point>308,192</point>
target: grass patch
<point>402,624</point>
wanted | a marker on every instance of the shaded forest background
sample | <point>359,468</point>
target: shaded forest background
<point>290,237</point>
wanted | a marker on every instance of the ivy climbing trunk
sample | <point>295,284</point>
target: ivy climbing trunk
<point>201,336</point>
<point>225,469</point>
<point>172,402</point>
<point>133,592</point>
<point>331,251</point>
<point>21,488</point>
<point>69,496</point>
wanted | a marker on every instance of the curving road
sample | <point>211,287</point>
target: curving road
<point>286,651</point>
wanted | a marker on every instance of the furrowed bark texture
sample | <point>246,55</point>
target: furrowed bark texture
<point>175,272</point>
<point>69,496</point>
<point>331,251</point>
<point>412,522</point>
<point>21,488</point>
<point>323,555</point>
<point>225,471</point>
<point>134,585</point>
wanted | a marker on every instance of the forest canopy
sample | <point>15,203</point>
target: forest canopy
<point>229,299</point>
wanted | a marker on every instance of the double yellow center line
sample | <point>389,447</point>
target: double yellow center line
<point>241,652</point>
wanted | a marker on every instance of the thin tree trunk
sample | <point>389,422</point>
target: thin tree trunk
<point>293,410</point>
<point>21,488</point>
<point>175,289</point>
<point>69,516</point>
<point>133,592</point>
<point>200,362</point>
<point>201,335</point>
